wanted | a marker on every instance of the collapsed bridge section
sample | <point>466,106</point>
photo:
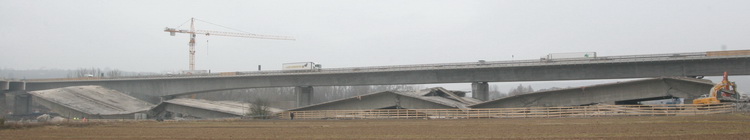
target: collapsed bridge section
<point>94,102</point>
<point>629,92</point>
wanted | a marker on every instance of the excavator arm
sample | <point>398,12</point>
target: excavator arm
<point>724,91</point>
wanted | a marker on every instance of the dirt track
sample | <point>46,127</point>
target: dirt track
<point>723,126</point>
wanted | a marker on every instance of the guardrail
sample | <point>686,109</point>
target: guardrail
<point>529,112</point>
<point>462,65</point>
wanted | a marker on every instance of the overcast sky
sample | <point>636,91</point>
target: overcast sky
<point>128,35</point>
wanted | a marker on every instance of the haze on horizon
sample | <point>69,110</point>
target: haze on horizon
<point>128,35</point>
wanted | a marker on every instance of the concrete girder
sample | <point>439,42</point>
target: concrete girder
<point>196,112</point>
<point>181,85</point>
<point>376,101</point>
<point>608,94</point>
<point>688,90</point>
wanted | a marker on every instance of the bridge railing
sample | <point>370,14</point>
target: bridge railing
<point>529,112</point>
<point>460,65</point>
<point>479,64</point>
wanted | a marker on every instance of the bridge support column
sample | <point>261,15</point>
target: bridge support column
<point>480,90</point>
<point>19,102</point>
<point>16,86</point>
<point>304,95</point>
<point>4,85</point>
<point>3,103</point>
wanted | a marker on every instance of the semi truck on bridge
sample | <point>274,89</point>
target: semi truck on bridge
<point>573,55</point>
<point>303,66</point>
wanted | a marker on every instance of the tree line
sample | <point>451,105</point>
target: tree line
<point>94,72</point>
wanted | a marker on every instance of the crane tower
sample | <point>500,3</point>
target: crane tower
<point>193,32</point>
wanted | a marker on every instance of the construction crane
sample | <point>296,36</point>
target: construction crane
<point>193,32</point>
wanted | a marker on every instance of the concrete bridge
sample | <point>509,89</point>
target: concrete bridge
<point>477,73</point>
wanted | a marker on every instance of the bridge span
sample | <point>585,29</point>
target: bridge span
<point>477,73</point>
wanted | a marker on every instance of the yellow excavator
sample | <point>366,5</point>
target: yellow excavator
<point>725,91</point>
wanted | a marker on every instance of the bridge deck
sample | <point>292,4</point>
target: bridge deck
<point>424,67</point>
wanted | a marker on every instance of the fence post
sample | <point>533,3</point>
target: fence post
<point>695,110</point>
<point>596,111</point>
<point>585,109</point>
<point>467,114</point>
<point>708,108</point>
<point>526,112</point>
<point>652,111</point>
<point>398,113</point>
<point>408,116</point>
<point>489,113</point>
<point>639,109</point>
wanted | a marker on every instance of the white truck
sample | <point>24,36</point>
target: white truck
<point>194,72</point>
<point>565,56</point>
<point>301,66</point>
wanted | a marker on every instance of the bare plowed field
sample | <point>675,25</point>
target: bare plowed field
<point>722,126</point>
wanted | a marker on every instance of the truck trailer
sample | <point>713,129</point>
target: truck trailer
<point>301,66</point>
<point>572,55</point>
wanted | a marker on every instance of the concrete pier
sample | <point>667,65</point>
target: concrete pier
<point>304,95</point>
<point>480,90</point>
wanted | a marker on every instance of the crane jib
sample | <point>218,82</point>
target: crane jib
<point>193,32</point>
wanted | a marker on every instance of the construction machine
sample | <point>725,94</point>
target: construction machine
<point>725,91</point>
<point>192,31</point>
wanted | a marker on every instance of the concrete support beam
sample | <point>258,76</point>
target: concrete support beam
<point>304,95</point>
<point>480,90</point>
<point>4,85</point>
<point>15,99</point>
<point>17,86</point>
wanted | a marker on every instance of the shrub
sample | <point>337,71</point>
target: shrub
<point>259,110</point>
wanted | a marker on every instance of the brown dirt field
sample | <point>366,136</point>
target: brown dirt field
<point>721,126</point>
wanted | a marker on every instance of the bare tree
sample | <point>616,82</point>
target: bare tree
<point>84,72</point>
<point>520,90</point>
<point>495,92</point>
<point>94,72</point>
<point>114,73</point>
<point>552,88</point>
<point>259,109</point>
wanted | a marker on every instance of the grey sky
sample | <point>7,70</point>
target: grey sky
<point>128,35</point>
